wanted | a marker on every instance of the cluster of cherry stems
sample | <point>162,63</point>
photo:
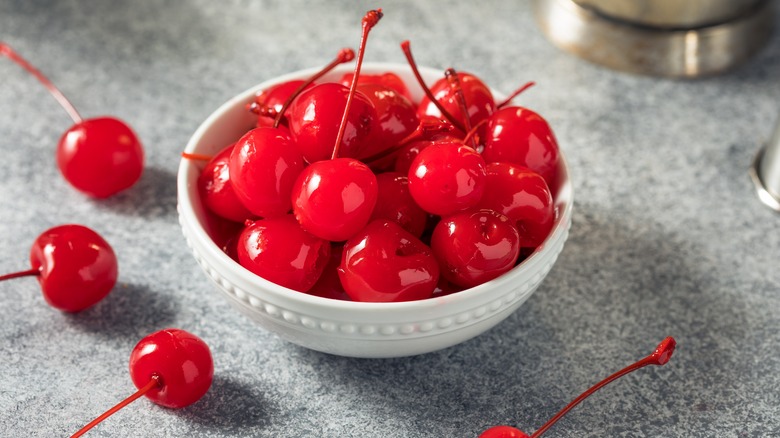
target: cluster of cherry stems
<point>488,206</point>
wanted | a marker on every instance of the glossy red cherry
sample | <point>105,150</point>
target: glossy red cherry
<point>263,166</point>
<point>395,203</point>
<point>171,367</point>
<point>503,432</point>
<point>446,177</point>
<point>479,99</point>
<point>385,263</point>
<point>315,117</point>
<point>388,79</point>
<point>660,356</point>
<point>329,284</point>
<point>270,101</point>
<point>522,195</point>
<point>75,267</point>
<point>280,251</point>
<point>181,360</point>
<point>475,246</point>
<point>520,136</point>
<point>217,192</point>
<point>396,118</point>
<point>334,199</point>
<point>100,156</point>
<point>409,150</point>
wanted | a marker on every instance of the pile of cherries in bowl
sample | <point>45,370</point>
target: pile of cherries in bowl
<point>402,207</point>
<point>358,204</point>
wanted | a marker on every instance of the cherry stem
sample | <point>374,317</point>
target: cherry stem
<point>406,47</point>
<point>661,355</point>
<point>370,20</point>
<point>11,54</point>
<point>469,136</point>
<point>196,157</point>
<point>525,86</point>
<point>155,381</point>
<point>454,81</point>
<point>27,273</point>
<point>424,128</point>
<point>345,55</point>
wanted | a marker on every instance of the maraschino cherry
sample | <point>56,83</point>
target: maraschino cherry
<point>661,355</point>
<point>172,368</point>
<point>475,246</point>
<point>385,263</point>
<point>75,266</point>
<point>279,250</point>
<point>395,203</point>
<point>333,199</point>
<point>216,190</point>
<point>100,156</point>
<point>263,167</point>
<point>522,195</point>
<point>520,136</point>
<point>447,177</point>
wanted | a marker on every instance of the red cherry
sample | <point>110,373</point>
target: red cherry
<point>446,177</point>
<point>269,102</point>
<point>315,117</point>
<point>520,136</point>
<point>396,118</point>
<point>75,267</point>
<point>522,195</point>
<point>181,360</point>
<point>388,79</point>
<point>475,246</point>
<point>395,203</point>
<point>503,432</point>
<point>263,166</point>
<point>334,199</point>
<point>385,263</point>
<point>216,191</point>
<point>171,367</point>
<point>479,99</point>
<point>660,356</point>
<point>100,156</point>
<point>280,251</point>
<point>329,284</point>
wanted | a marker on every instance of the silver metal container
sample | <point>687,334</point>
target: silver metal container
<point>674,38</point>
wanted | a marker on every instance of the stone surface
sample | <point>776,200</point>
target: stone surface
<point>668,236</point>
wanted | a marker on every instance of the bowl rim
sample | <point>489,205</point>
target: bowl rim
<point>188,216</point>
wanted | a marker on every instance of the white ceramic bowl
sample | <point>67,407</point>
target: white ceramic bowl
<point>345,328</point>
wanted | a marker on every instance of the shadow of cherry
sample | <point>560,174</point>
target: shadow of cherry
<point>129,312</point>
<point>153,196</point>
<point>230,407</point>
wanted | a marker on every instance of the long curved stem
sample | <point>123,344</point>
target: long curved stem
<point>524,87</point>
<point>154,382</point>
<point>11,54</point>
<point>370,20</point>
<point>660,356</point>
<point>345,55</point>
<point>406,47</point>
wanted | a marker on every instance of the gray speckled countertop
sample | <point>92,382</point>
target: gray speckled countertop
<point>668,237</point>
